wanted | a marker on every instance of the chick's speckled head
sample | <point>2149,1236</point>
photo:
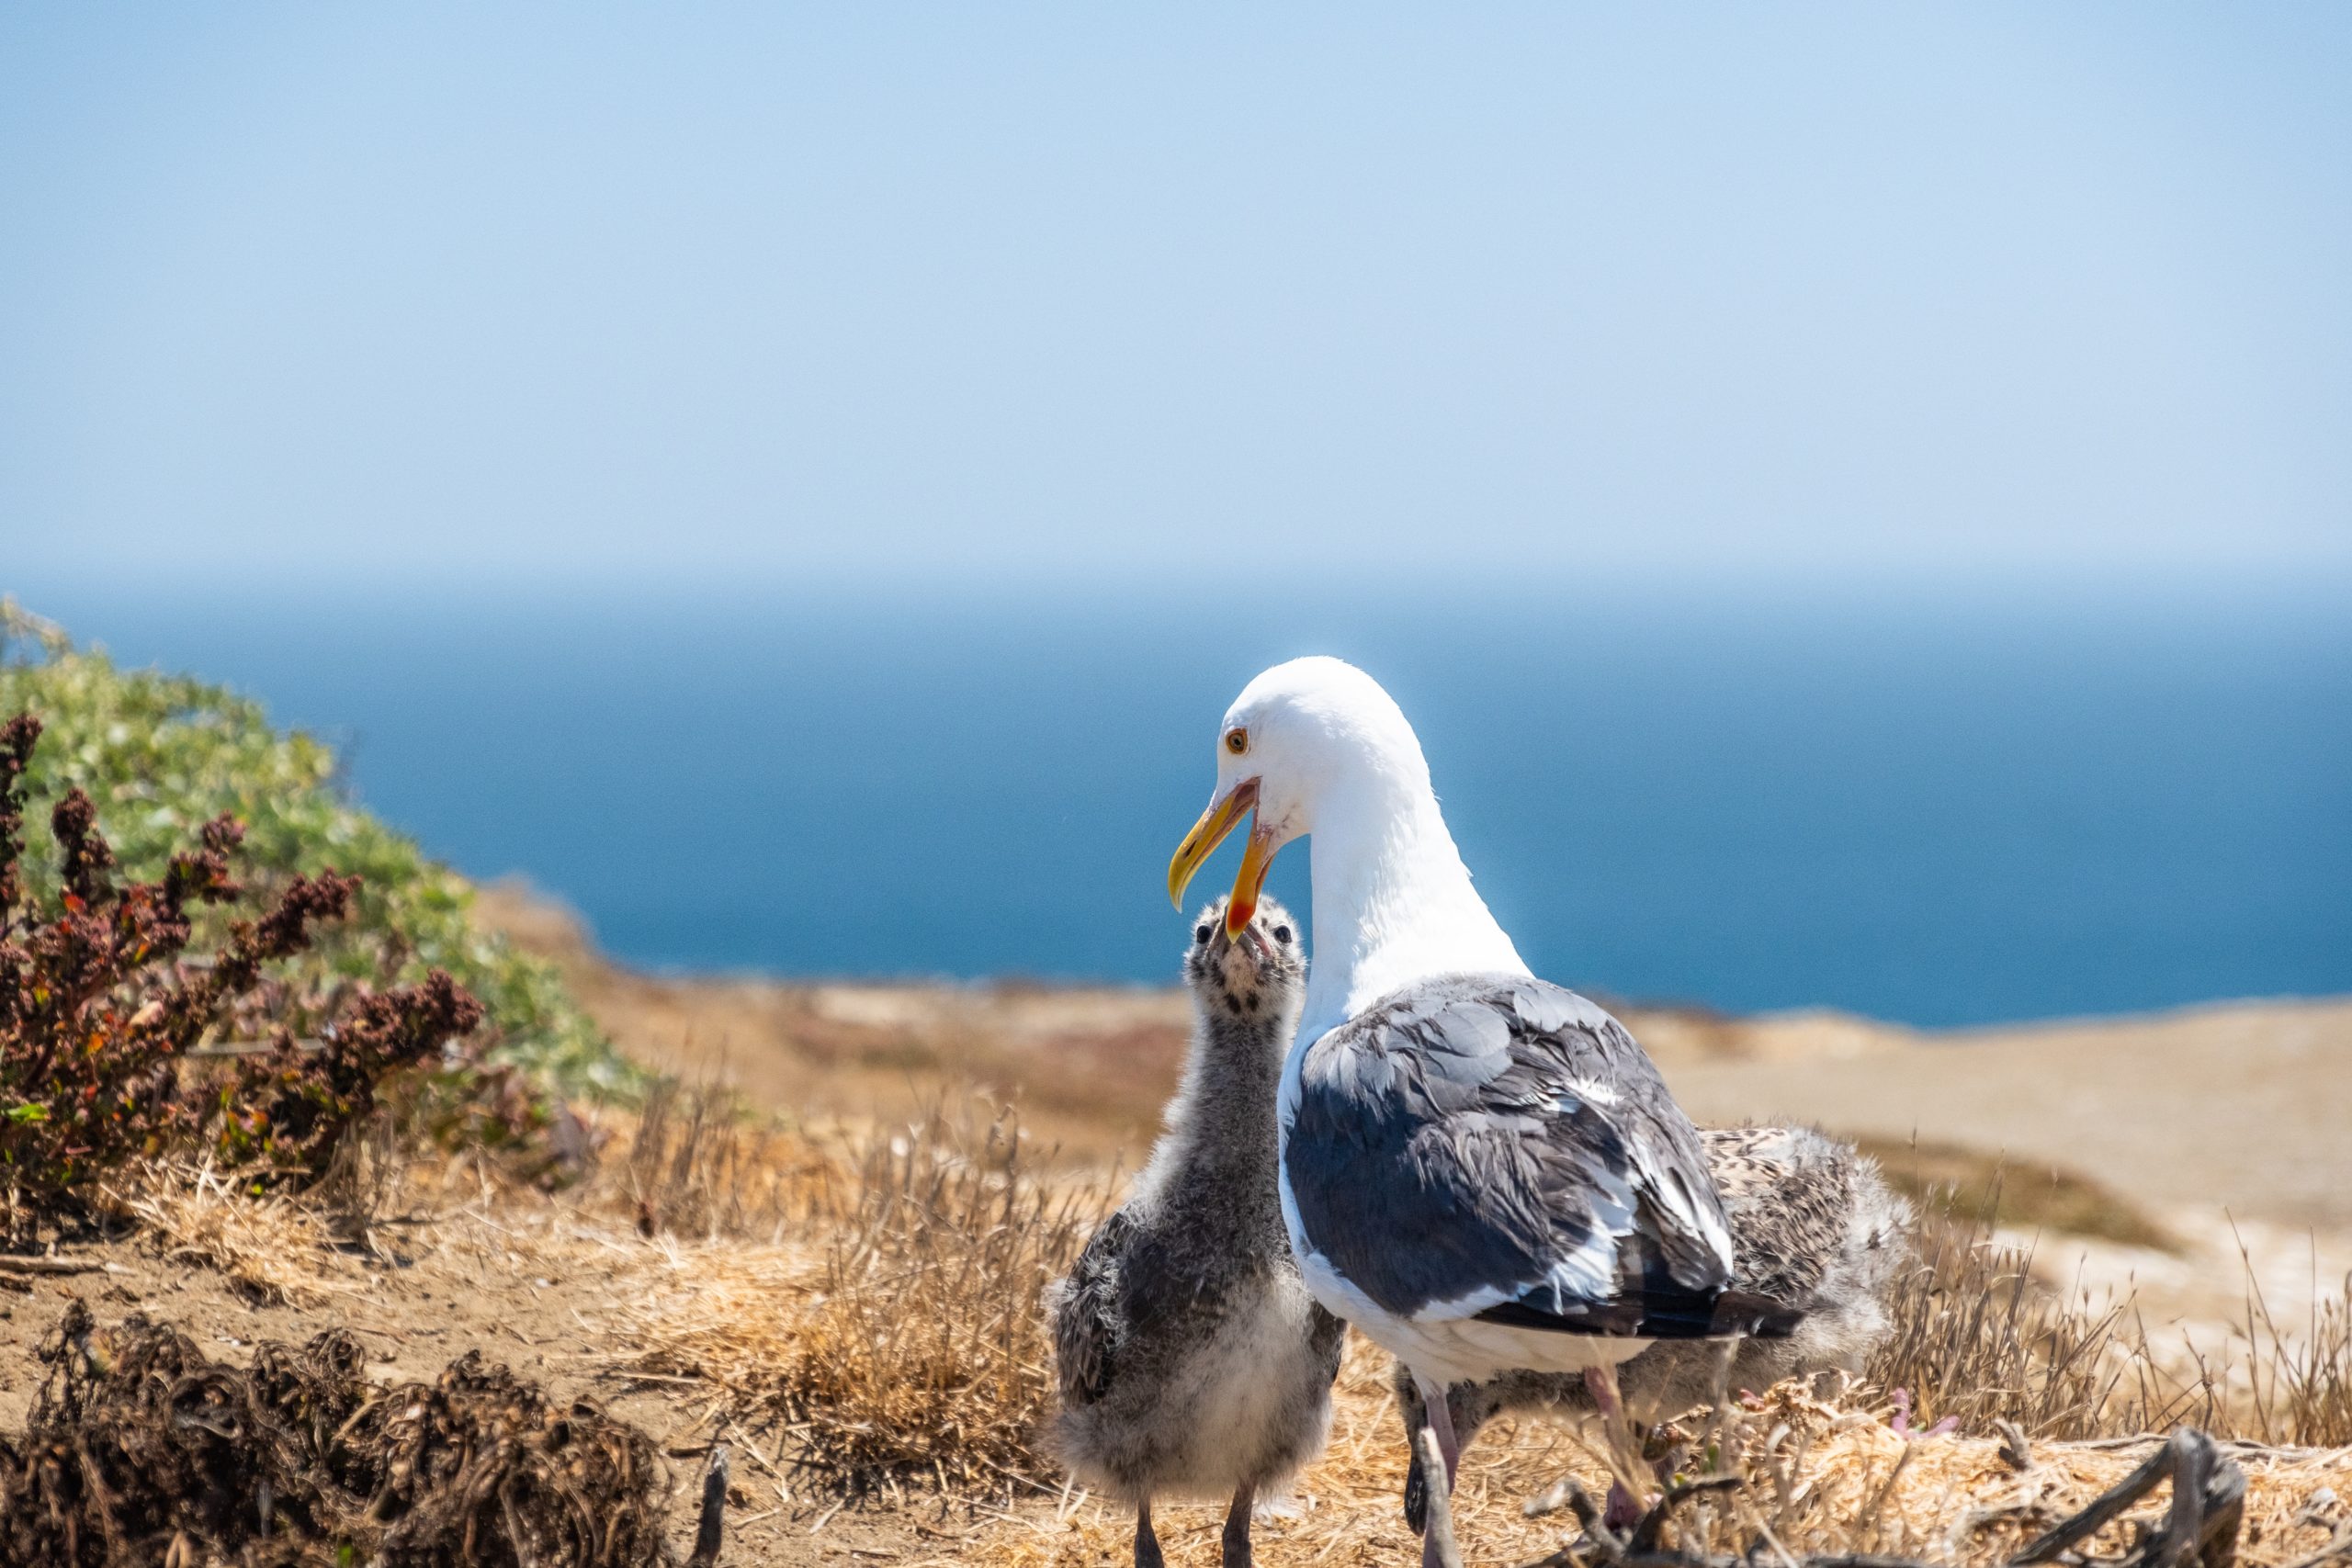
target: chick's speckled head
<point>1257,978</point>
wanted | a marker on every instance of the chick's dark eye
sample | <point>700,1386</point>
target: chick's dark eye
<point>1282,933</point>
<point>1201,936</point>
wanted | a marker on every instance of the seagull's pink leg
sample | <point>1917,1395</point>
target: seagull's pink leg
<point>1621,1512</point>
<point>1603,1389</point>
<point>1440,1420</point>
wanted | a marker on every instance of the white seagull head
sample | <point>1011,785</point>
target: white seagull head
<point>1302,739</point>
<point>1315,747</point>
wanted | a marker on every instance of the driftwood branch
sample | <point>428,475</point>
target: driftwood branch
<point>2102,1511</point>
<point>1566,1493</point>
<point>1644,1540</point>
<point>2208,1501</point>
<point>2200,1528</point>
<point>1638,1550</point>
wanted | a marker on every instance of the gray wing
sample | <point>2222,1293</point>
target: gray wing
<point>1090,1323</point>
<point>1499,1147</point>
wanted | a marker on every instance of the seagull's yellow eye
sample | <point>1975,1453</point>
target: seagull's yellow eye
<point>1236,741</point>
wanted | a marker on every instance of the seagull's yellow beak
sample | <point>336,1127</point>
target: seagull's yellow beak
<point>1223,816</point>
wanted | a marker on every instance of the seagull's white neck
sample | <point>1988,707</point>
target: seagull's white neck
<point>1393,901</point>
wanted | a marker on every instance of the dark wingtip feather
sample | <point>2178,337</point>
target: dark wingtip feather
<point>1658,1313</point>
<point>1759,1317</point>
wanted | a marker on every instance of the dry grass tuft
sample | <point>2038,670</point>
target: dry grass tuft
<point>927,1353</point>
<point>698,1163</point>
<point>2295,1384</point>
<point>1976,1338</point>
<point>903,1340</point>
<point>274,1248</point>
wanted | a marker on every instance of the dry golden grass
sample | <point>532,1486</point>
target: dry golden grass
<point>693,1161</point>
<point>1975,1338</point>
<point>894,1338</point>
<point>899,1337</point>
<point>274,1248</point>
<point>864,1302</point>
<point>2294,1382</point>
<point>1819,1477</point>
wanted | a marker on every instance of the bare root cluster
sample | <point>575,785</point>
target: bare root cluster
<point>142,1450</point>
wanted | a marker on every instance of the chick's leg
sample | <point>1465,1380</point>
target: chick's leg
<point>1237,1525</point>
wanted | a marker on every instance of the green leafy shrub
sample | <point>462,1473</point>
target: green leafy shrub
<point>105,1006</point>
<point>160,755</point>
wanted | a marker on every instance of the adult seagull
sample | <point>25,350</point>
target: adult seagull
<point>1479,1169</point>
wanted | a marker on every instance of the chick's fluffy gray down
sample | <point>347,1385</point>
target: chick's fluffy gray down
<point>1189,1355</point>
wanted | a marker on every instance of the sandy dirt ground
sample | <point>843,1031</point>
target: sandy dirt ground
<point>562,1294</point>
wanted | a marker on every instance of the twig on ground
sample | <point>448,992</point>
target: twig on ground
<point>1566,1493</point>
<point>2340,1546</point>
<point>49,1266</point>
<point>714,1509</point>
<point>2209,1497</point>
<point>1645,1532</point>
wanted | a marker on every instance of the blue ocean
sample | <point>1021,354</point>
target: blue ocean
<point>1946,810</point>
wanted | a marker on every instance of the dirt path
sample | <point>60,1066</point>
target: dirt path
<point>2245,1107</point>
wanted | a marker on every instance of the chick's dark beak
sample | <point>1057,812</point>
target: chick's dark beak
<point>1242,960</point>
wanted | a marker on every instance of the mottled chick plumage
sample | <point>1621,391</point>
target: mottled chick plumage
<point>1814,1228</point>
<point>1190,1359</point>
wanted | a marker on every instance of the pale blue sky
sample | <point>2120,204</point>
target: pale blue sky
<point>767,293</point>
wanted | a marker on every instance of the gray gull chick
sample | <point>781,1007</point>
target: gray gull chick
<point>1193,1361</point>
